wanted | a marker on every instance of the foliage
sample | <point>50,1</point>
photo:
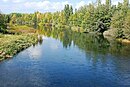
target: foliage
<point>12,44</point>
<point>120,20</point>
<point>3,21</point>
<point>95,17</point>
<point>127,25</point>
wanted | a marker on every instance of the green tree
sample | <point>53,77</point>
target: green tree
<point>71,10</point>
<point>3,23</point>
<point>108,3</point>
<point>68,11</point>
<point>126,3</point>
<point>127,25</point>
<point>99,2</point>
<point>35,20</point>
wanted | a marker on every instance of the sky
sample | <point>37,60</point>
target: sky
<point>31,6</point>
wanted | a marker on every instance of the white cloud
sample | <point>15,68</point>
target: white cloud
<point>82,3</point>
<point>115,2</point>
<point>46,5</point>
<point>5,0</point>
<point>8,6</point>
<point>103,1</point>
<point>14,1</point>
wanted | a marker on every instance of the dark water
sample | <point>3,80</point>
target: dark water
<point>69,60</point>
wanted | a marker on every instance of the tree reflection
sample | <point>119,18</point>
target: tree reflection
<point>89,43</point>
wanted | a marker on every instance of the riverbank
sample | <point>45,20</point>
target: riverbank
<point>112,34</point>
<point>10,45</point>
<point>124,41</point>
<point>21,29</point>
<point>17,39</point>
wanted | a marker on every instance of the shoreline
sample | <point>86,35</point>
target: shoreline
<point>124,41</point>
<point>10,45</point>
<point>16,40</point>
<point>120,40</point>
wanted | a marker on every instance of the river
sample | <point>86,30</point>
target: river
<point>69,60</point>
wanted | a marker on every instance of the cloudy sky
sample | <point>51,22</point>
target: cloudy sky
<point>30,6</point>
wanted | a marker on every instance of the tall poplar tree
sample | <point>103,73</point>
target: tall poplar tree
<point>99,2</point>
<point>108,3</point>
<point>126,3</point>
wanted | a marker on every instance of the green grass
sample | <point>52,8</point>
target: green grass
<point>21,29</point>
<point>18,39</point>
<point>12,44</point>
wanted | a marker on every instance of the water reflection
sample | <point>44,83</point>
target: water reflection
<point>90,43</point>
<point>110,58</point>
<point>68,59</point>
<point>103,55</point>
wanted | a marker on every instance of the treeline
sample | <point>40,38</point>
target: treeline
<point>95,17</point>
<point>3,22</point>
<point>42,19</point>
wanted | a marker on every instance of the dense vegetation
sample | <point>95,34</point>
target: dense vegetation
<point>12,44</point>
<point>3,22</point>
<point>89,18</point>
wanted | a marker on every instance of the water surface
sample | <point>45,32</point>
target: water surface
<point>69,60</point>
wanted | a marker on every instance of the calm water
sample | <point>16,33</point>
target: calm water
<point>69,60</point>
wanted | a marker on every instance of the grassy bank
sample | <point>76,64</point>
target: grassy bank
<point>12,44</point>
<point>18,39</point>
<point>23,29</point>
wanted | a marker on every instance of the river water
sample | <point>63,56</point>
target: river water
<point>69,60</point>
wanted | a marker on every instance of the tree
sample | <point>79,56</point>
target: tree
<point>126,3</point>
<point>125,6</point>
<point>99,2</point>
<point>95,17</point>
<point>68,11</point>
<point>108,3</point>
<point>71,10</point>
<point>35,20</point>
<point>127,25</point>
<point>3,22</point>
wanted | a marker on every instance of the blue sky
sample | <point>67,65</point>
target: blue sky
<point>30,6</point>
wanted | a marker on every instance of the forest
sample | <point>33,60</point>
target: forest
<point>95,17</point>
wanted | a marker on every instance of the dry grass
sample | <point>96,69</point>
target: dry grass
<point>124,41</point>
